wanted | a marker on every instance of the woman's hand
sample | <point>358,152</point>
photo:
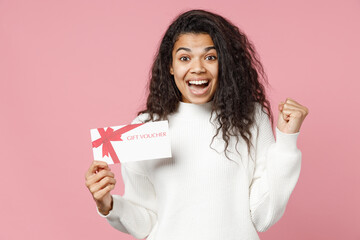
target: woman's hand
<point>291,116</point>
<point>100,181</point>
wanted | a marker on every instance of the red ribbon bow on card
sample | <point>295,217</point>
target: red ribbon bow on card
<point>111,135</point>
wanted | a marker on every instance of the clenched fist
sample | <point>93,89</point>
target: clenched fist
<point>291,116</point>
<point>100,181</point>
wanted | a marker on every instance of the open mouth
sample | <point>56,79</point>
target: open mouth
<point>198,87</point>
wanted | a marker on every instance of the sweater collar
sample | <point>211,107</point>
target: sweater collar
<point>194,111</point>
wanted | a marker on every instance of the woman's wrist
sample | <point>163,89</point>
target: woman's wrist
<point>105,208</point>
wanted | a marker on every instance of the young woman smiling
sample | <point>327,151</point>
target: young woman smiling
<point>195,67</point>
<point>227,178</point>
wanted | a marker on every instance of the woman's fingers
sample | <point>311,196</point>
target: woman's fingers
<point>291,116</point>
<point>102,184</point>
<point>95,167</point>
<point>98,176</point>
<point>99,195</point>
<point>99,180</point>
<point>293,105</point>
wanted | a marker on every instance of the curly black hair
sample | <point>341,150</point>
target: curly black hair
<point>240,75</point>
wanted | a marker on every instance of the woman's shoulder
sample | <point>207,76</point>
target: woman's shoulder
<point>261,115</point>
<point>259,111</point>
<point>144,117</point>
<point>141,118</point>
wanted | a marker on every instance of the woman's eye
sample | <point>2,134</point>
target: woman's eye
<point>184,58</point>
<point>211,57</point>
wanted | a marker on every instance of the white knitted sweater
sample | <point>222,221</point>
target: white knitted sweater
<point>199,193</point>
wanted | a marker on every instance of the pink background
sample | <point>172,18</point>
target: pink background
<point>68,66</point>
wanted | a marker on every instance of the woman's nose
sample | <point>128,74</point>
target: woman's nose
<point>197,67</point>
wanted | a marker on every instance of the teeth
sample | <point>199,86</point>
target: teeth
<point>198,82</point>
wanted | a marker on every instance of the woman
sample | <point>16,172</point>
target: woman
<point>227,178</point>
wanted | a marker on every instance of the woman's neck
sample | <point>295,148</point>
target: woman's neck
<point>193,111</point>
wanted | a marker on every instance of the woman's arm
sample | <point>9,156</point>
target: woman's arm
<point>134,212</point>
<point>276,173</point>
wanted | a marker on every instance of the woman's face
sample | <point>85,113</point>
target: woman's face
<point>195,67</point>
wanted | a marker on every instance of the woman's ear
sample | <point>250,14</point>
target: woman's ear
<point>171,71</point>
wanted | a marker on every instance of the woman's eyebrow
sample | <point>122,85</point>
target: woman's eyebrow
<point>189,50</point>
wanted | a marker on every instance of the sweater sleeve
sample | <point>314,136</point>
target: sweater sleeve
<point>134,212</point>
<point>277,169</point>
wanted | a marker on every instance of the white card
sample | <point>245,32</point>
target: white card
<point>133,142</point>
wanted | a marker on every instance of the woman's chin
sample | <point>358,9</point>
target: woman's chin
<point>196,100</point>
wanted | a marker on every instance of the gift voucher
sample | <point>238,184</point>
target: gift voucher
<point>134,142</point>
